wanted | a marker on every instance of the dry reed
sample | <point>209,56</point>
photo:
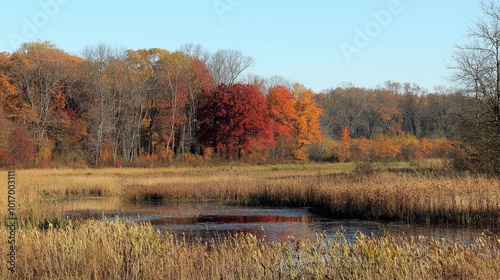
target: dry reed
<point>125,250</point>
<point>121,250</point>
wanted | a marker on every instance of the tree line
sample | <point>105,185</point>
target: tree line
<point>113,106</point>
<point>392,109</point>
<point>110,107</point>
<point>393,122</point>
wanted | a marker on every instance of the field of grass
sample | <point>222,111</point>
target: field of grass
<point>51,247</point>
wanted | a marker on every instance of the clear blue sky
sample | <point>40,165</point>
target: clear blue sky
<point>304,41</point>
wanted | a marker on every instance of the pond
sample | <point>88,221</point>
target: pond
<point>207,221</point>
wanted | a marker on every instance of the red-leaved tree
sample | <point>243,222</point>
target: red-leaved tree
<point>234,120</point>
<point>20,146</point>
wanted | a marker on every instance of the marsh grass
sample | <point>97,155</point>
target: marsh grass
<point>126,250</point>
<point>52,247</point>
<point>426,193</point>
<point>426,197</point>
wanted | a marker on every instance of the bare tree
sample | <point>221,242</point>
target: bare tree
<point>442,111</point>
<point>265,84</point>
<point>104,71</point>
<point>411,108</point>
<point>477,69</point>
<point>227,65</point>
<point>348,107</point>
<point>99,114</point>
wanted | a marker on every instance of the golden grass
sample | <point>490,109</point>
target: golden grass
<point>125,250</point>
<point>413,198</point>
<point>105,250</point>
<point>36,187</point>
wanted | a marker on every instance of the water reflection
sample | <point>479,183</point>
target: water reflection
<point>207,221</point>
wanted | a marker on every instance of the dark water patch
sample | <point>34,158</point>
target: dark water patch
<point>211,221</point>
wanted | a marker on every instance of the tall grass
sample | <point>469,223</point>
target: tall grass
<point>124,250</point>
<point>44,193</point>
<point>412,198</point>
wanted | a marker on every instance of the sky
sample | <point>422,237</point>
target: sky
<point>319,43</point>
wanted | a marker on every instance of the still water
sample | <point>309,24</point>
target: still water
<point>207,221</point>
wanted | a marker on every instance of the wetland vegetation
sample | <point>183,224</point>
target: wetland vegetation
<point>52,246</point>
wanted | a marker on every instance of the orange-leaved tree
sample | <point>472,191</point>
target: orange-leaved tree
<point>385,148</point>
<point>361,149</point>
<point>307,128</point>
<point>283,114</point>
<point>46,77</point>
<point>344,153</point>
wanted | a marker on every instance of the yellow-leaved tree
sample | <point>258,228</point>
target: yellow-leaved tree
<point>307,129</point>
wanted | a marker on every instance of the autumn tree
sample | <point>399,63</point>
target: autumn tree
<point>9,93</point>
<point>344,152</point>
<point>197,79</point>
<point>20,146</point>
<point>387,117</point>
<point>144,102</point>
<point>234,120</point>
<point>172,114</point>
<point>307,129</point>
<point>7,103</point>
<point>145,91</point>
<point>45,76</point>
<point>282,111</point>
<point>4,143</point>
<point>477,65</point>
<point>361,149</point>
<point>16,145</point>
<point>116,105</point>
<point>345,136</point>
